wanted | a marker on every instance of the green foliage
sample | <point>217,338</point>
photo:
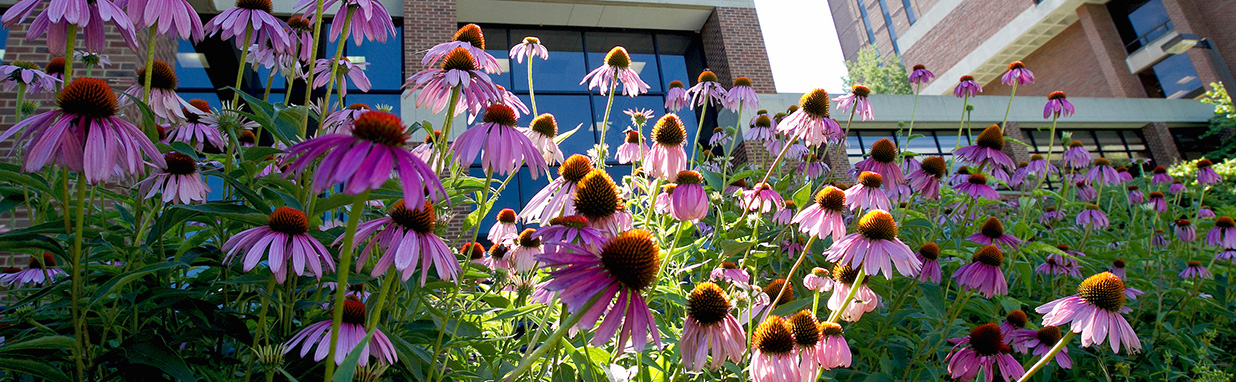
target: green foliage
<point>1223,124</point>
<point>882,74</point>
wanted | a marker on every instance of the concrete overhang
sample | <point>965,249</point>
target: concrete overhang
<point>686,15</point>
<point>1159,49</point>
<point>1023,35</point>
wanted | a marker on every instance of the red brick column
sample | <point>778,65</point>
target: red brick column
<point>426,23</point>
<point>1162,144</point>
<point>734,47</point>
<point>1186,18</point>
<point>1096,21</point>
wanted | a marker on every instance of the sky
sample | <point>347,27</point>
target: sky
<point>800,63</point>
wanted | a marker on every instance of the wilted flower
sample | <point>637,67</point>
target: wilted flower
<point>1057,105</point>
<point>857,101</point>
<point>1017,74</point>
<point>24,73</point>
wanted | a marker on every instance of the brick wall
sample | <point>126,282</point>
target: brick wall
<point>1161,143</point>
<point>969,24</point>
<point>426,23</point>
<point>734,47</point>
<point>1109,51</point>
<point>1066,63</point>
<point>1220,28</point>
<point>1015,151</point>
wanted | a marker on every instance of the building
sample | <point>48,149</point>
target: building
<point>1104,49</point>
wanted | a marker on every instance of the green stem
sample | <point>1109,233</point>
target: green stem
<point>965,103</point>
<point>531,94</point>
<point>150,55</point>
<point>605,120</point>
<point>552,341</point>
<point>71,33</point>
<point>734,139</point>
<point>79,325</point>
<point>801,256</point>
<point>240,72</point>
<point>858,282</point>
<point>440,140</point>
<point>334,64</point>
<point>270,80</point>
<point>381,302</point>
<point>1049,356</point>
<point>313,52</point>
<point>341,281</point>
<point>695,143</point>
<point>913,114</point>
<point>1010,107</point>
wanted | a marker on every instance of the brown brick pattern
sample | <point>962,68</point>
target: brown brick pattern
<point>734,47</point>
<point>1109,51</point>
<point>425,23</point>
<point>1161,143</point>
<point>1015,151</point>
<point>1080,75</point>
<point>969,24</point>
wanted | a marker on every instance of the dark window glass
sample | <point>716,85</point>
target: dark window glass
<point>496,44</point>
<point>564,68</point>
<point>1178,77</point>
<point>191,67</point>
<point>680,56</point>
<point>385,69</point>
<point>905,4</point>
<point>4,38</point>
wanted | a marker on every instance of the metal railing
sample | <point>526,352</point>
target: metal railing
<point>1150,35</point>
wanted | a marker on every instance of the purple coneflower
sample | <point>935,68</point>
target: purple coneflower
<point>1135,195</point>
<point>689,200</point>
<point>597,199</point>
<point>731,273</point>
<point>498,257</point>
<point>662,204</point>
<point>1117,268</point>
<point>632,148</point>
<point>992,233</point>
<point>85,126</point>
<point>346,71</point>
<point>1102,173</point>
<point>193,130</point>
<point>458,72</point>
<point>623,267</point>
<point>370,19</point>
<point>1206,174</point>
<point>504,227</point>
<point>836,351</point>
<point>164,102</point>
<point>572,230</point>
<point>762,128</point>
<point>557,198</point>
<point>920,75</point>
<point>1092,217</point>
<point>808,342</point>
<point>883,161</point>
<point>794,149</point>
<point>167,14</point>
<point>929,255</point>
<point>284,237</point>
<point>1157,202</point>
<point>505,147</point>
<point>54,21</point>
<point>1013,324</point>
<point>866,193</point>
<point>365,159</point>
<point>865,299</point>
<point>1057,104</point>
<point>666,157</point>
<point>811,122</point>
<point>818,280</point>
<point>406,237</point>
<point>741,95</point>
<point>617,68</point>
<point>529,47</point>
<point>37,272</point>
<point>1051,215</point>
<point>986,150</point>
<point>32,76</point>
<point>250,16</point>
<point>926,180</point>
<point>471,39</point>
<point>985,351</point>
<point>762,198</point>
<point>340,122</point>
<point>1176,187</point>
<point>976,187</point>
<point>1085,192</point>
<point>1204,212</point>
<point>1160,240</point>
<point>1195,270</point>
<point>875,248</point>
<point>1019,175</point>
<point>179,181</point>
<point>1122,173</point>
<point>719,138</point>
<point>300,36</point>
<point>709,328</point>
<point>811,167</point>
<point>525,250</point>
<point>676,98</point>
<point>706,90</point>
<point>825,216</point>
<point>1043,340</point>
<point>1076,156</point>
<point>773,356</point>
<point>857,101</point>
<point>1227,254</point>
<point>1040,166</point>
<point>1056,265</point>
<point>1095,312</point>
<point>967,87</point>
<point>351,333</point>
<point>1017,74</point>
<point>1160,175</point>
<point>1223,234</point>
<point>983,273</point>
<point>542,131</point>
<point>1185,231</point>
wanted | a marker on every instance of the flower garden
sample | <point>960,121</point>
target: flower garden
<point>344,246</point>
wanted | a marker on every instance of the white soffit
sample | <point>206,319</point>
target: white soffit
<point>686,15</point>
<point>1026,33</point>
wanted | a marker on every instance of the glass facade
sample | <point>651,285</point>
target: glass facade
<point>933,142</point>
<point>658,57</point>
<point>1141,22</point>
<point>1122,146</point>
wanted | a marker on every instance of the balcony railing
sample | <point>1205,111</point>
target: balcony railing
<point>1149,36</point>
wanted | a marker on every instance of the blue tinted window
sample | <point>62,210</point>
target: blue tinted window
<point>1148,18</point>
<point>375,99</point>
<point>619,122</point>
<point>862,11</point>
<point>638,45</point>
<point>570,111</point>
<point>1177,76</point>
<point>191,67</point>
<point>4,38</point>
<point>385,69</point>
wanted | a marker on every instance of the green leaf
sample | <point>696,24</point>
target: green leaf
<point>344,372</point>
<point>801,196</point>
<point>148,118</point>
<point>50,342</point>
<point>259,153</point>
<point>156,353</point>
<point>116,282</point>
<point>247,193</point>
<point>38,368</point>
<point>563,136</point>
<point>516,312</point>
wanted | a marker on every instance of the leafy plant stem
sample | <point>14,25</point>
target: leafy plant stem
<point>341,281</point>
